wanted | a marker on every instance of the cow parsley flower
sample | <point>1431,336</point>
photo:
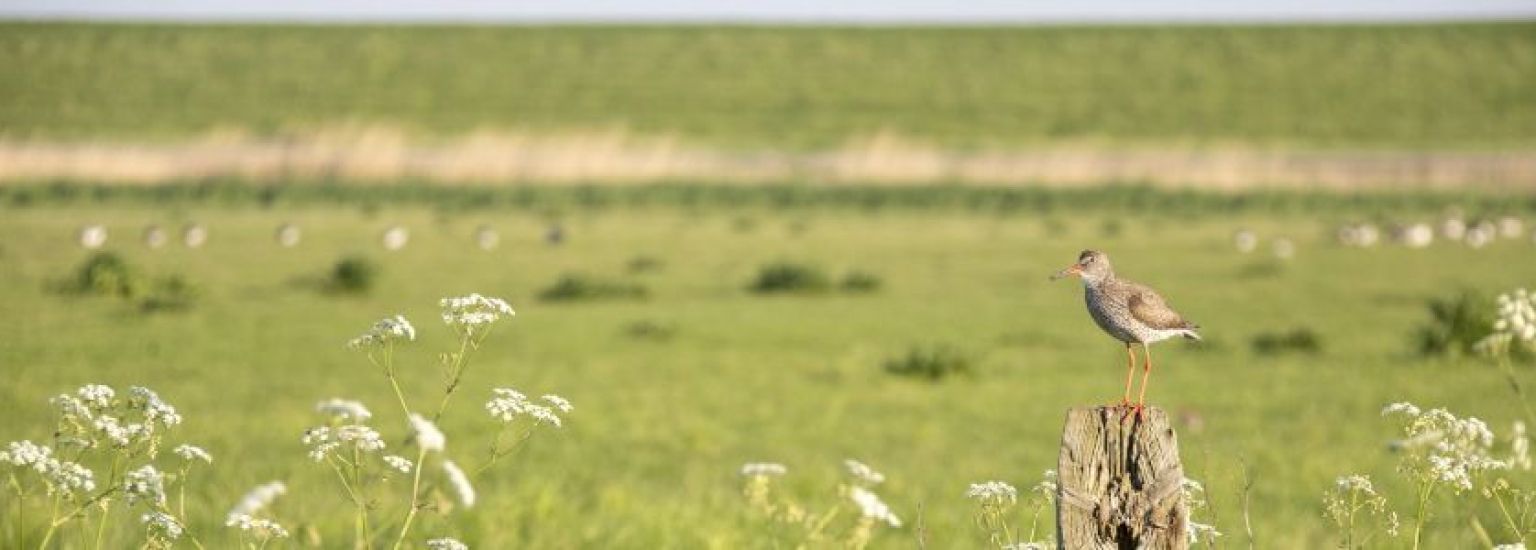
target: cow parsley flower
<point>507,404</point>
<point>763,469</point>
<point>401,463</point>
<point>325,440</point>
<point>1519,447</point>
<point>257,499</point>
<point>26,454</point>
<point>558,402</point>
<point>62,476</point>
<point>1027,546</point>
<point>261,528</point>
<point>1197,530</point>
<point>1514,323</point>
<point>344,409</point>
<point>156,411</point>
<point>995,493</point>
<point>870,506</point>
<point>426,434</point>
<point>193,452</point>
<point>97,396</point>
<point>1046,488</point>
<point>460,483</point>
<point>1446,449</point>
<point>386,331</point>
<point>161,526</point>
<point>473,312</point>
<point>446,544</point>
<point>145,483</point>
<point>862,473</point>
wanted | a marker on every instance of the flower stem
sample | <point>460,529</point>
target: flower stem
<point>410,514</point>
<point>1418,524</point>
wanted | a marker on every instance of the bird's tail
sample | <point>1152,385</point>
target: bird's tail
<point>1190,334</point>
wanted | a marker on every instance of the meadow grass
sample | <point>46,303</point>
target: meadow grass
<point>650,457</point>
<point>1331,87</point>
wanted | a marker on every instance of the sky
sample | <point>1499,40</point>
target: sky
<point>762,11</point>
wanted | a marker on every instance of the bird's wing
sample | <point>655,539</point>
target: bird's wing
<point>1149,308</point>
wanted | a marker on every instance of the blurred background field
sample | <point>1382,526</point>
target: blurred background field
<point>698,228</point>
<point>675,390</point>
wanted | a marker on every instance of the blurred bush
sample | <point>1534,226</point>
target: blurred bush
<point>644,264</point>
<point>860,281</point>
<point>931,363</point>
<point>353,275</point>
<point>577,286</point>
<point>789,277</point>
<point>650,329</point>
<point>105,274</point>
<point>1296,340</point>
<point>108,274</point>
<point>172,293</point>
<point>1455,323</point>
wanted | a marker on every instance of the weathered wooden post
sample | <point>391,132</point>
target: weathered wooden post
<point>1119,482</point>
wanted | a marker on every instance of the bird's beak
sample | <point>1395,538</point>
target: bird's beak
<point>1074,269</point>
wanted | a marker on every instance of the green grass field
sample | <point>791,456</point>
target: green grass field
<point>1463,86</point>
<point>649,458</point>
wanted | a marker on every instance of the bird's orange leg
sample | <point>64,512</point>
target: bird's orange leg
<point>1130,374</point>
<point>1141,400</point>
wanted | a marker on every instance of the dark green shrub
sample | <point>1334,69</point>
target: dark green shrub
<point>644,264</point>
<point>353,275</point>
<point>171,293</point>
<point>106,274</point>
<point>649,329</point>
<point>1455,323</point>
<point>787,277</point>
<point>1296,340</point>
<point>860,281</point>
<point>932,363</point>
<point>576,286</point>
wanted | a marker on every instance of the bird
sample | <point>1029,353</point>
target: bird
<point>1130,312</point>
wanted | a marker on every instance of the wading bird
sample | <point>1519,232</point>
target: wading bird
<point>1130,312</point>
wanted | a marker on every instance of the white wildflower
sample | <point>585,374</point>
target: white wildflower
<point>70,478</point>
<point>401,463</point>
<point>1027,546</point>
<point>67,478</point>
<point>558,402</point>
<point>161,526</point>
<point>257,499</point>
<point>1046,488</point>
<point>72,408</point>
<point>870,506</point>
<point>324,440</point>
<point>288,235</point>
<point>97,396</point>
<point>193,452</point>
<point>1356,482</point>
<point>145,483</point>
<point>1510,546</point>
<point>1197,530</point>
<point>155,410</point>
<point>862,473</point>
<point>474,311</point>
<point>508,404</point>
<point>426,433</point>
<point>386,331</point>
<point>763,469</point>
<point>1448,449</point>
<point>26,454</point>
<point>460,483</point>
<point>446,544</point>
<point>344,409</point>
<point>262,528</point>
<point>993,493</point>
